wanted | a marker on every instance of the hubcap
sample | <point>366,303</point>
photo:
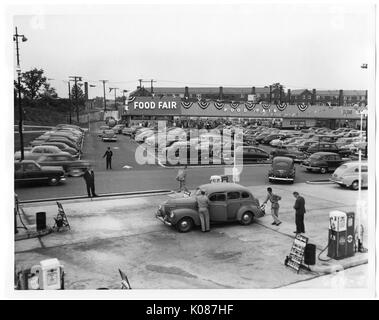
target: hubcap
<point>246,217</point>
<point>184,224</point>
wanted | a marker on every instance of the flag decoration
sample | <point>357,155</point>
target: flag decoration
<point>302,107</point>
<point>281,106</point>
<point>218,105</point>
<point>234,105</point>
<point>250,105</point>
<point>265,106</point>
<point>131,99</point>
<point>186,105</point>
<point>203,104</point>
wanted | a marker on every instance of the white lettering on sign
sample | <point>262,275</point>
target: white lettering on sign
<point>149,105</point>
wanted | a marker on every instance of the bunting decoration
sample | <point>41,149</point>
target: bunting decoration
<point>281,106</point>
<point>186,105</point>
<point>265,106</point>
<point>131,99</point>
<point>250,105</point>
<point>234,105</point>
<point>218,105</point>
<point>302,107</point>
<point>203,105</point>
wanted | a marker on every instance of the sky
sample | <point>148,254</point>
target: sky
<point>301,46</point>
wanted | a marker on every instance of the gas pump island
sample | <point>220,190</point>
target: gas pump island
<point>341,240</point>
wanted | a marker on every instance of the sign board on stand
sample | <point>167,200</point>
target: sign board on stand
<point>296,256</point>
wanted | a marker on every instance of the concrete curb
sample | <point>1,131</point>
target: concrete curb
<point>332,268</point>
<point>102,197</point>
<point>319,182</point>
<point>32,234</point>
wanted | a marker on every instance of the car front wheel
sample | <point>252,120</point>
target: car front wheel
<point>246,218</point>
<point>184,224</point>
<point>323,170</point>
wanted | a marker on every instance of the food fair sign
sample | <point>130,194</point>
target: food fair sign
<point>154,106</point>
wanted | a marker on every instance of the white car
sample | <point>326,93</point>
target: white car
<point>38,151</point>
<point>348,175</point>
<point>109,135</point>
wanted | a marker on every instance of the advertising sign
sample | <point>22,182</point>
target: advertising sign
<point>154,106</point>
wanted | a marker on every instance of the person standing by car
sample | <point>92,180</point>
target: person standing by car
<point>89,177</point>
<point>108,154</point>
<point>203,204</point>
<point>299,213</point>
<point>181,177</point>
<point>274,199</point>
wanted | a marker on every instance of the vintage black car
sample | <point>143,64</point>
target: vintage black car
<point>228,202</point>
<point>282,169</point>
<point>323,162</point>
<point>30,171</point>
<point>290,152</point>
<point>247,154</point>
<point>327,147</point>
<point>70,165</point>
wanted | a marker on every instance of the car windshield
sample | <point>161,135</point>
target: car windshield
<point>341,169</point>
<point>315,156</point>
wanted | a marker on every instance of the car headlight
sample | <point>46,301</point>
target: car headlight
<point>172,214</point>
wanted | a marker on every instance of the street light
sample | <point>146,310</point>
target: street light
<point>18,70</point>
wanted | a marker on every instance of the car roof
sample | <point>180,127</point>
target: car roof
<point>223,187</point>
<point>354,163</point>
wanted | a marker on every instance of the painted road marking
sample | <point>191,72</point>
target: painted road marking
<point>116,148</point>
<point>127,167</point>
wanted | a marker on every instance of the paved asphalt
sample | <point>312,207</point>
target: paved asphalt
<point>127,175</point>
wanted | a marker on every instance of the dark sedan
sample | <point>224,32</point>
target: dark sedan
<point>247,155</point>
<point>30,171</point>
<point>69,164</point>
<point>328,147</point>
<point>282,169</point>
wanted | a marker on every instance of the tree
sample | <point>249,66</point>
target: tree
<point>77,96</point>
<point>33,83</point>
<point>49,92</point>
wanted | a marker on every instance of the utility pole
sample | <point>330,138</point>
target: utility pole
<point>151,85</point>
<point>76,79</point>
<point>105,99</point>
<point>20,111</point>
<point>69,98</point>
<point>115,90</point>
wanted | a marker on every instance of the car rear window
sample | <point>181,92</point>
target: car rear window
<point>245,194</point>
<point>315,156</point>
<point>281,164</point>
<point>217,197</point>
<point>233,195</point>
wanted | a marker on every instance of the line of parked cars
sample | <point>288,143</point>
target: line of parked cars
<point>52,156</point>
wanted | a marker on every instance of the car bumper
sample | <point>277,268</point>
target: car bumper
<point>281,178</point>
<point>110,139</point>
<point>159,216</point>
<point>341,183</point>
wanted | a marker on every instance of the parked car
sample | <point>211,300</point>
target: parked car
<point>38,151</point>
<point>323,162</point>
<point>118,128</point>
<point>282,169</point>
<point>248,154</point>
<point>70,165</point>
<point>101,130</point>
<point>271,137</point>
<point>290,152</point>
<point>66,141</point>
<point>327,147</point>
<point>30,171</point>
<point>109,135</point>
<point>304,145</point>
<point>63,147</point>
<point>348,175</point>
<point>227,202</point>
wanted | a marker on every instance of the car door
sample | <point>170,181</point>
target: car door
<point>32,171</point>
<point>217,206</point>
<point>336,162</point>
<point>233,200</point>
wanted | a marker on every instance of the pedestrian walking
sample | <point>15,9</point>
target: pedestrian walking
<point>108,155</point>
<point>274,199</point>
<point>203,204</point>
<point>89,177</point>
<point>181,177</point>
<point>299,213</point>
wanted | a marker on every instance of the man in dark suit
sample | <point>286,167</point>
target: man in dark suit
<point>108,154</point>
<point>299,213</point>
<point>89,177</point>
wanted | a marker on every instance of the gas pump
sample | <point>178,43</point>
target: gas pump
<point>341,235</point>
